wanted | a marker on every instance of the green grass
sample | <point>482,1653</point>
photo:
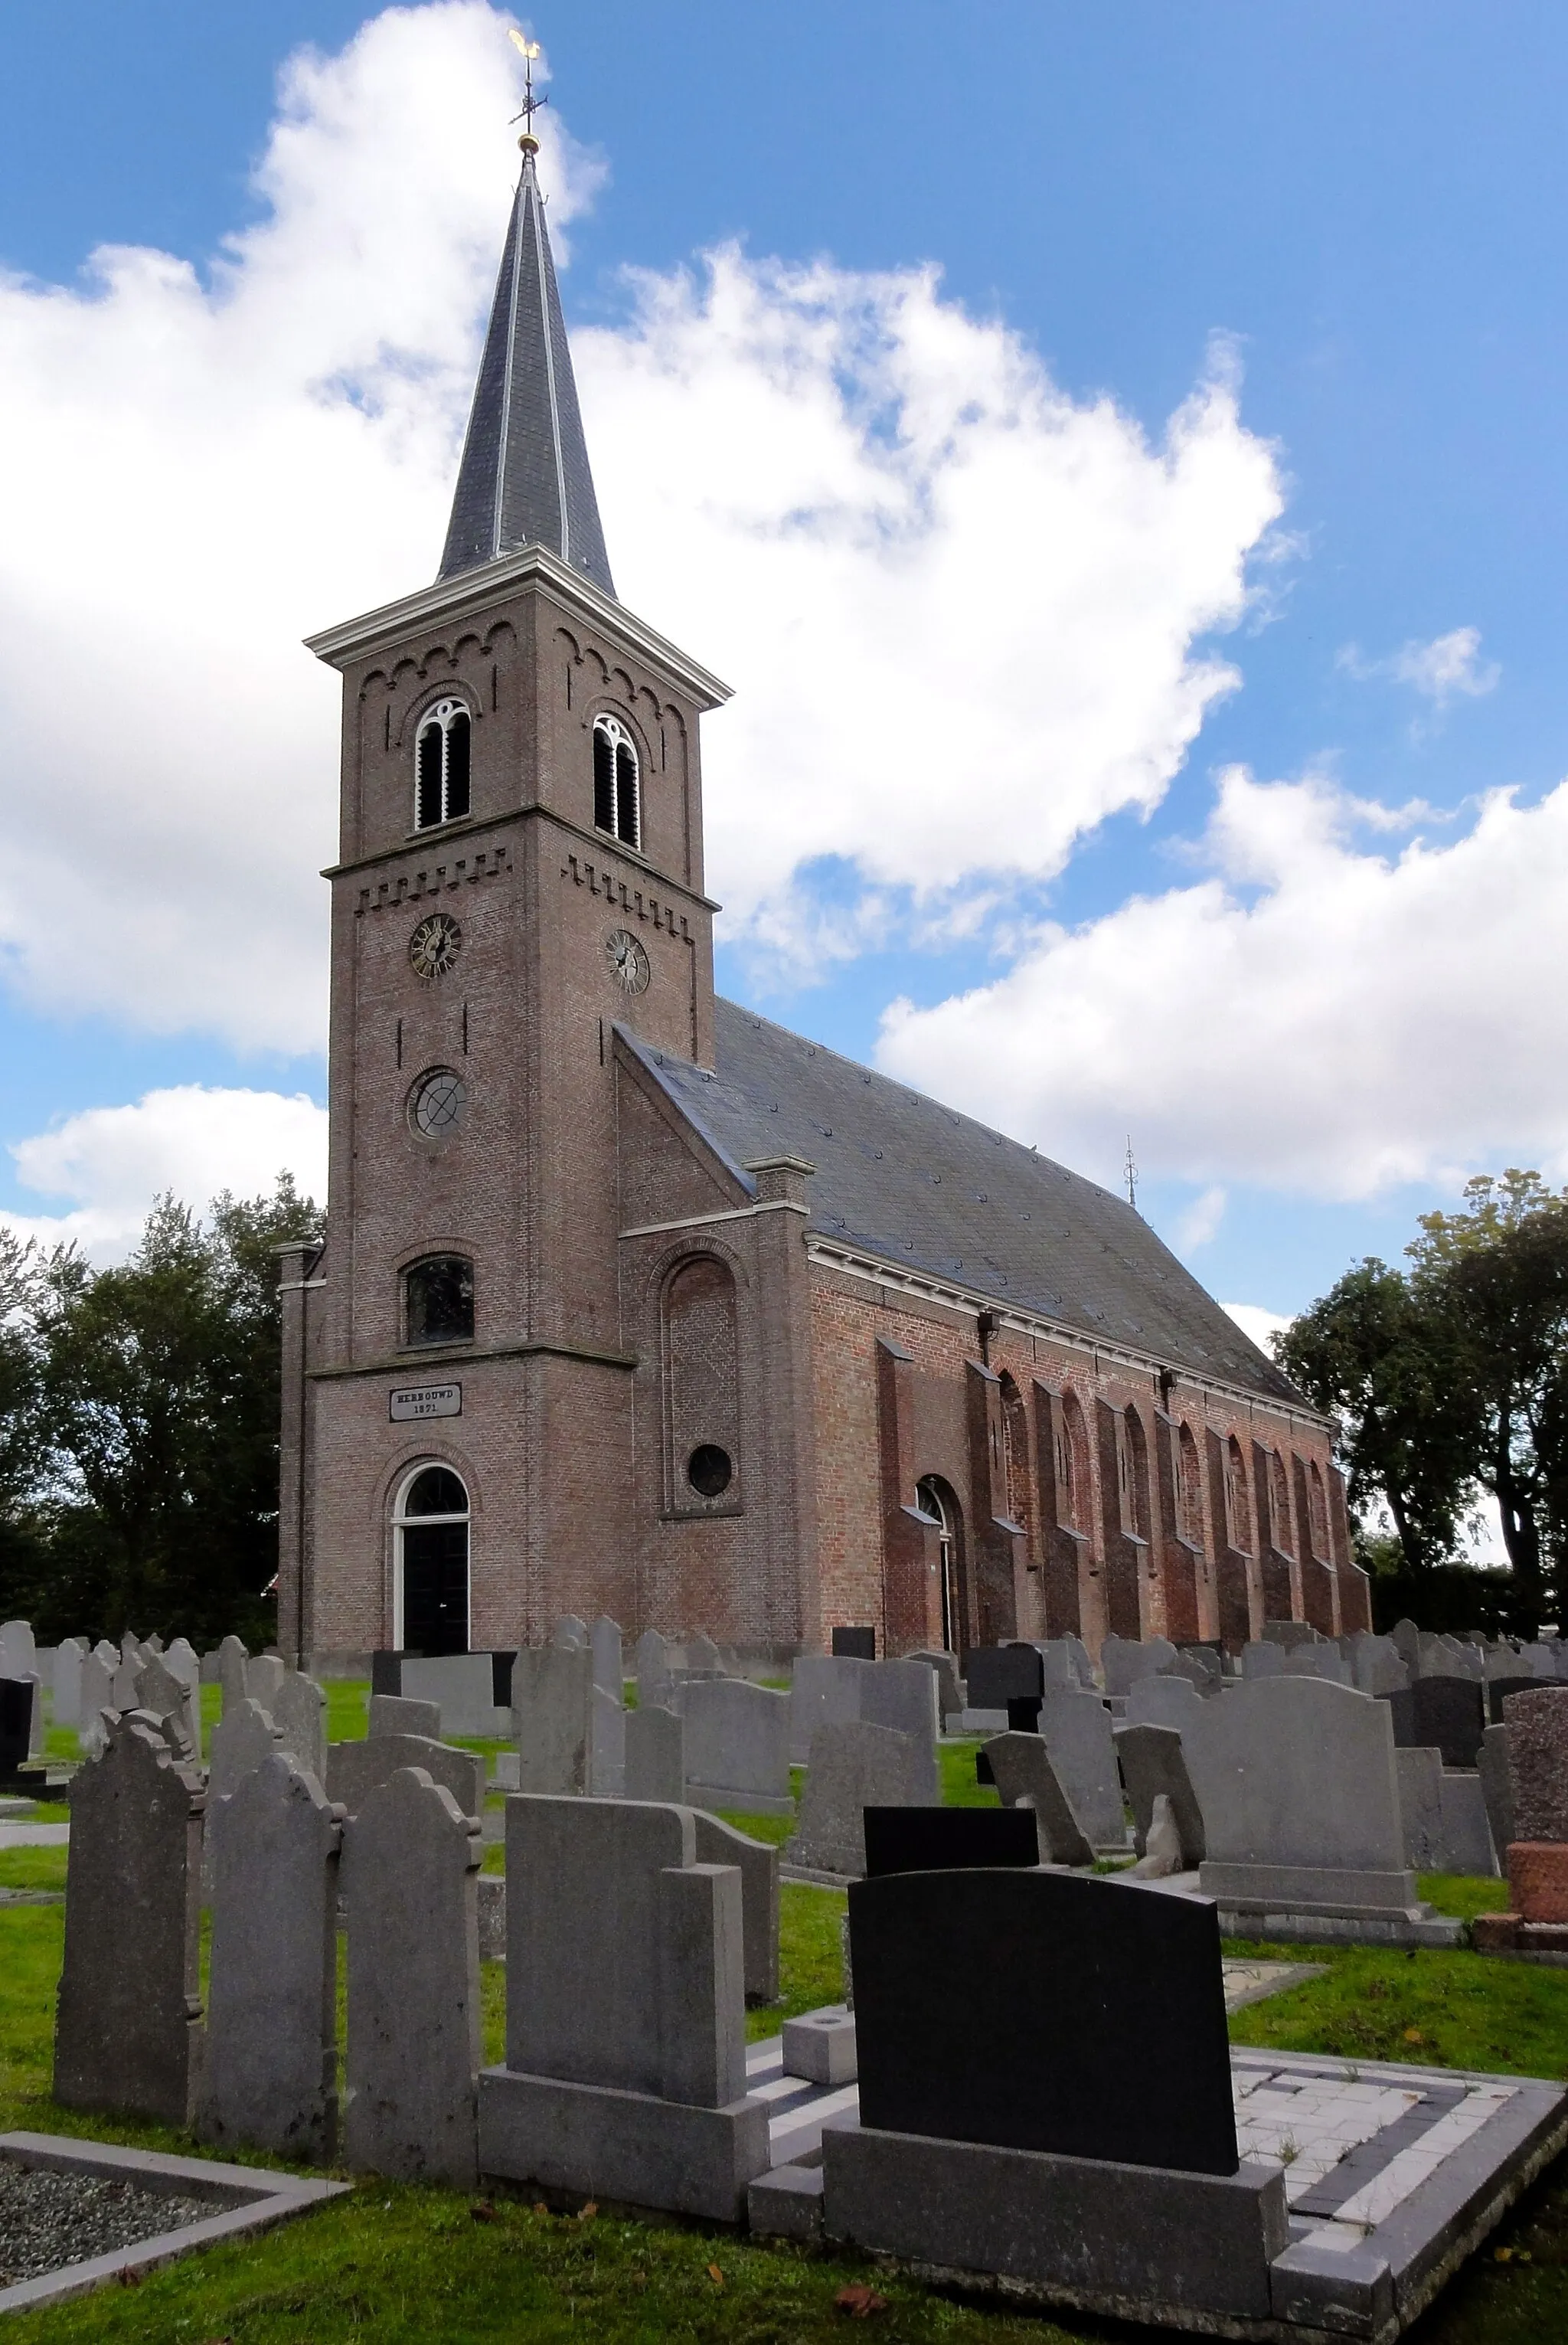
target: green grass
<point>1458,1894</point>
<point>955,1762</point>
<point>347,1708</point>
<point>32,1868</point>
<point>1442,2010</point>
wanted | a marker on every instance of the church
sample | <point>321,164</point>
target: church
<point>630,1301</point>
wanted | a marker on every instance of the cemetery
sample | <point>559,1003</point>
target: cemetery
<point>1221,1992</point>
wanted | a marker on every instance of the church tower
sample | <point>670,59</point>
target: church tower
<point>520,869</point>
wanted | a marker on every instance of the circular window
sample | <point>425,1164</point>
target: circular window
<point>709,1470</point>
<point>433,947</point>
<point>437,1102</point>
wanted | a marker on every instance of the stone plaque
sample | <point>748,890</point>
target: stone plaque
<point>411,1401</point>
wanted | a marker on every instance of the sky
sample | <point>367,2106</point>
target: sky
<point>1114,453</point>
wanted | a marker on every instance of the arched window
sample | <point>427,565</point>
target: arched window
<point>1016,1448</point>
<point>431,1528</point>
<point>438,1300</point>
<point>1237,1502</point>
<point>1318,1505</point>
<point>617,787</point>
<point>442,765</point>
<point>1280,1503</point>
<point>1132,1456</point>
<point>934,1500</point>
<point>1188,1489</point>
<point>702,1397</point>
<point>1073,1467</point>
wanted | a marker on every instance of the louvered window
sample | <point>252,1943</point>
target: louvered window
<point>617,782</point>
<point>442,765</point>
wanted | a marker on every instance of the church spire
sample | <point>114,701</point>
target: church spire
<point>524,478</point>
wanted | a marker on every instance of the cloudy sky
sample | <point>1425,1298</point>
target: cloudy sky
<point>1115,454</point>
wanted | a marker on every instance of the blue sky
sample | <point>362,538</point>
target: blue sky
<point>1364,202</point>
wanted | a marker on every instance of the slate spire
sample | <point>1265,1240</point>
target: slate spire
<point>524,478</point>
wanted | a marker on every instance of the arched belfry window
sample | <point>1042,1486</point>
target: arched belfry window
<point>438,1300</point>
<point>617,782</point>
<point>442,763</point>
<point>431,1526</point>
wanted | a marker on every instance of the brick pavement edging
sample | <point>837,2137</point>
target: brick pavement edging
<point>246,2198</point>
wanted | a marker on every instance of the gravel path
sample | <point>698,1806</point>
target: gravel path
<point>47,2219</point>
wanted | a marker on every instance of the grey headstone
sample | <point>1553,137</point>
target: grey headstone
<point>624,1954</point>
<point>1541,1660</point>
<point>1152,1768</point>
<point>1405,1638</point>
<point>903,1695</point>
<point>1537,1725</point>
<point>824,1691</point>
<point>398,1713</point>
<point>609,1666</point>
<point>462,1688</point>
<point>1077,1731</point>
<point>851,1768</point>
<point>1125,1659</point>
<point>263,1676</point>
<point>737,1744</point>
<point>1467,1844</point>
<point>411,1868</point>
<point>128,2034</point>
<point>656,1755</point>
<point>185,1662</point>
<point>1059,1662</point>
<point>299,1714</point>
<point>133,1653</point>
<point>1263,1658</point>
<point>655,1672</point>
<point>606,1743</point>
<point>1291,1634</point>
<point>270,2076</point>
<point>1205,1665</point>
<point>702,1656</point>
<point>720,1843</point>
<point>1317,1661</point>
<point>18,1650</point>
<point>159,1691</point>
<point>1420,1774</point>
<point>355,1769</point>
<point>1166,1700</point>
<point>97,1695</point>
<point>551,1688</point>
<point>70,1659</point>
<point>1497,1788</point>
<point>570,1633</point>
<point>241,1740</point>
<point>949,1692</point>
<point>1377,1665</point>
<point>1022,1772</point>
<point>123,1690</point>
<point>232,1658</point>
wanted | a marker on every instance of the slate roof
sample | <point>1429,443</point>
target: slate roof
<point>524,478</point>
<point>902,1177</point>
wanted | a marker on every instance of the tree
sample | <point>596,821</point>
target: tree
<point>153,1423</point>
<point>1376,1356</point>
<point>1496,1276</point>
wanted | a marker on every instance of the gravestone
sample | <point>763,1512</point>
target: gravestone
<point>1499,1688</point>
<point>1077,1734</point>
<point>1377,1665</point>
<point>551,1689</point>
<point>852,1644</point>
<point>703,1658</point>
<point>609,1667</point>
<point>571,1634</point>
<point>1319,1660</point>
<point>1291,1633</point>
<point>1439,1713</point>
<point>995,1675</point>
<point>1125,1659</point>
<point>232,1657</point>
<point>263,1676</point>
<point>656,1755</point>
<point>299,1714</point>
<point>903,1695</point>
<point>655,1674</point>
<point>270,2076</point>
<point>1467,1842</point>
<point>1153,1768</point>
<point>737,1745</point>
<point>18,1650</point>
<point>1087,2063</point>
<point>1022,1772</point>
<point>1166,1700</point>
<point>159,1691</point>
<point>824,1691</point>
<point>409,1869</point>
<point>718,1842</point>
<point>355,1769</point>
<point>606,1744</point>
<point>949,1692</point>
<point>241,1740</point>
<point>70,1659</point>
<point>123,1687</point>
<point>399,1713</point>
<point>1262,1658</point>
<point>1420,1777</point>
<point>948,1840</point>
<point>1059,1663</point>
<point>1497,1789</point>
<point>1164,1854</point>
<point>184,1660</point>
<point>97,1695</point>
<point>462,1688</point>
<point>625,2031</point>
<point>16,1729</point>
<point>128,2030</point>
<point>133,1653</point>
<point>1537,1725</point>
<point>1295,1781</point>
<point>851,1768</point>
<point>1204,1666</point>
<point>1405,1638</point>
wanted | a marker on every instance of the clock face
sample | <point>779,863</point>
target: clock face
<point>628,962</point>
<point>433,947</point>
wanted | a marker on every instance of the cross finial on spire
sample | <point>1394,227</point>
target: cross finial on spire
<point>1129,1174</point>
<point>531,105</point>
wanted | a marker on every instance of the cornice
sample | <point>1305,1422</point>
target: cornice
<point>473,591</point>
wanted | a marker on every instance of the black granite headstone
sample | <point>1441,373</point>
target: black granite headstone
<point>1445,1714</point>
<point>387,1671</point>
<point>15,1725</point>
<point>854,1644</point>
<point>947,1840</point>
<point>1038,2011</point>
<point>501,1669</point>
<point>1024,1714</point>
<point>995,1675</point>
<point>1499,1688</point>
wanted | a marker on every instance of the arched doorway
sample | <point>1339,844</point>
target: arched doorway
<point>934,1497</point>
<point>430,1533</point>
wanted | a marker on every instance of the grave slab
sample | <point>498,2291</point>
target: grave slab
<point>737,1745</point>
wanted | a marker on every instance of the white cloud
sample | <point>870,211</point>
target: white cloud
<point>1199,1222</point>
<point>110,1163</point>
<point>1450,664</point>
<point>1256,1322</point>
<point>1310,1016</point>
<point>964,612</point>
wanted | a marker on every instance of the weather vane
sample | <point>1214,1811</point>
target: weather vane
<point>531,105</point>
<point>1131,1177</point>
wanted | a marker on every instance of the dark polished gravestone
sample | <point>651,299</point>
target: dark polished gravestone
<point>854,1644</point>
<point>1015,2009</point>
<point>16,1726</point>
<point>996,1675</point>
<point>387,1670</point>
<point>947,1840</point>
<point>1446,1714</point>
<point>1498,1690</point>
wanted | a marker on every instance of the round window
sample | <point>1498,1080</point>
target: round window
<point>437,1102</point>
<point>709,1470</point>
